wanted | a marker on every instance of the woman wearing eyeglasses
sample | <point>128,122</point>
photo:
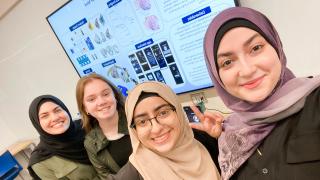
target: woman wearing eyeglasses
<point>162,140</point>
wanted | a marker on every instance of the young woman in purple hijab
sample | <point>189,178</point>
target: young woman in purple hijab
<point>274,130</point>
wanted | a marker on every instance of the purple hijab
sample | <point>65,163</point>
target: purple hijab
<point>250,123</point>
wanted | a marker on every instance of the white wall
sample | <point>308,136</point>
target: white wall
<point>298,24</point>
<point>32,62</point>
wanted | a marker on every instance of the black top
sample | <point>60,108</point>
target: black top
<point>292,150</point>
<point>118,148</point>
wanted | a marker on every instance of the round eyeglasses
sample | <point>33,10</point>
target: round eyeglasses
<point>163,114</point>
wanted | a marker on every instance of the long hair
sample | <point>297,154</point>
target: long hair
<point>87,120</point>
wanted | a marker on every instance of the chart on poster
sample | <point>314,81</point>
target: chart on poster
<point>132,41</point>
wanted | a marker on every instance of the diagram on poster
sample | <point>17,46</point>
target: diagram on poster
<point>133,41</point>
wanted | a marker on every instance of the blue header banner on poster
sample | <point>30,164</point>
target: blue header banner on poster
<point>78,24</point>
<point>196,15</point>
<point>144,44</point>
<point>113,3</point>
<point>108,63</point>
<point>87,71</point>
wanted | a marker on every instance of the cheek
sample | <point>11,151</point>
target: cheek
<point>176,126</point>
<point>114,100</point>
<point>88,107</point>
<point>272,65</point>
<point>44,123</point>
<point>276,72</point>
<point>228,77</point>
<point>142,136</point>
<point>66,117</point>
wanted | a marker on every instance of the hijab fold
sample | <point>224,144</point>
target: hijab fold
<point>246,128</point>
<point>68,145</point>
<point>187,160</point>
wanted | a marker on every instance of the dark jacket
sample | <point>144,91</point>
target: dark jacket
<point>292,150</point>
<point>96,145</point>
<point>127,172</point>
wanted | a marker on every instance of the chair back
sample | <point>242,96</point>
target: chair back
<point>9,166</point>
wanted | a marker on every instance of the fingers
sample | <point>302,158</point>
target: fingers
<point>197,112</point>
<point>196,126</point>
<point>214,116</point>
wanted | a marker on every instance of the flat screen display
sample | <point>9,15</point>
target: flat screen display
<point>132,41</point>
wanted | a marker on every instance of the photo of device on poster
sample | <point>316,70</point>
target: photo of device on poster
<point>122,40</point>
<point>159,76</point>
<point>176,74</point>
<point>157,53</point>
<point>151,59</point>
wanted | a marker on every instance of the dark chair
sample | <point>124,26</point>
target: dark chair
<point>9,166</point>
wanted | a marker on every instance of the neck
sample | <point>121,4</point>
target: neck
<point>109,126</point>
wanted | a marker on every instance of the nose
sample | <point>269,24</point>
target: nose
<point>247,67</point>
<point>155,126</point>
<point>100,100</point>
<point>54,117</point>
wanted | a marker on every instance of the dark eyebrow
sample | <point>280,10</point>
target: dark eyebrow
<point>251,39</point>
<point>224,55</point>
<point>54,109</point>
<point>43,113</point>
<point>246,43</point>
<point>58,107</point>
<point>155,110</point>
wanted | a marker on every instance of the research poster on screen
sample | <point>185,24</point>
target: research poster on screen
<point>133,41</point>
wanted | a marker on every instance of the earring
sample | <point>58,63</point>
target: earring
<point>88,114</point>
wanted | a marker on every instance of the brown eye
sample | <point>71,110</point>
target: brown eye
<point>141,123</point>
<point>163,113</point>
<point>226,63</point>
<point>256,48</point>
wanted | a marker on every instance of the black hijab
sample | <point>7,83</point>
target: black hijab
<point>68,145</point>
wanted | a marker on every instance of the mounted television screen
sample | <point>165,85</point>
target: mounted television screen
<point>132,41</point>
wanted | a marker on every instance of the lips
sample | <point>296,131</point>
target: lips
<point>253,83</point>
<point>104,109</point>
<point>162,138</point>
<point>58,124</point>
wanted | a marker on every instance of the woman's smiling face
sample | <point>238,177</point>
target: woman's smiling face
<point>53,119</point>
<point>160,135</point>
<point>249,67</point>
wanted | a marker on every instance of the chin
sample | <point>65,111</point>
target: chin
<point>164,148</point>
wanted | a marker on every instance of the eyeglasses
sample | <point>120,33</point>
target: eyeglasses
<point>162,116</point>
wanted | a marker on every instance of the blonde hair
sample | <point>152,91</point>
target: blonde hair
<point>87,120</point>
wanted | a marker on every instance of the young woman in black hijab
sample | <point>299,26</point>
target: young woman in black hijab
<point>60,153</point>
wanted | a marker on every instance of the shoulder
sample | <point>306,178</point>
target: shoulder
<point>128,171</point>
<point>312,105</point>
<point>54,166</point>
<point>55,161</point>
<point>95,140</point>
<point>59,167</point>
<point>315,94</point>
<point>91,136</point>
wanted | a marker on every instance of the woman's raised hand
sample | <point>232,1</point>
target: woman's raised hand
<point>210,122</point>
